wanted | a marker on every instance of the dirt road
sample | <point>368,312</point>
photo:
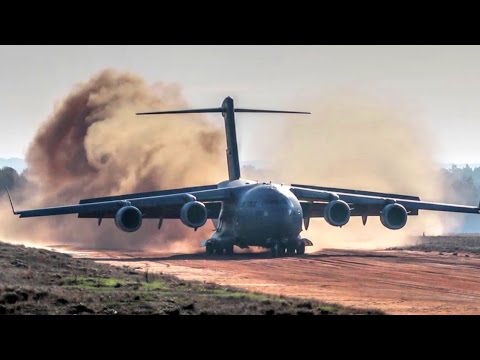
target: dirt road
<point>397,282</point>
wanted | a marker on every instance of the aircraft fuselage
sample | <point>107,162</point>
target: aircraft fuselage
<point>261,215</point>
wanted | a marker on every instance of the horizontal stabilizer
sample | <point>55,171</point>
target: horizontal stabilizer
<point>219,110</point>
<point>270,111</point>
<point>193,111</point>
<point>227,110</point>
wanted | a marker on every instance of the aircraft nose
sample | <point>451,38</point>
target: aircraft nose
<point>280,218</point>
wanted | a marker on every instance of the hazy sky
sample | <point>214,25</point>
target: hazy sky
<point>440,84</point>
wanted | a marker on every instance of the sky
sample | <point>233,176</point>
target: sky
<point>439,84</point>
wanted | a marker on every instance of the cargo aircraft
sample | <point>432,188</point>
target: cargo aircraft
<point>249,213</point>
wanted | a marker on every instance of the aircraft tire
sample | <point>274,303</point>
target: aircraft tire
<point>275,250</point>
<point>209,249</point>
<point>301,248</point>
<point>229,250</point>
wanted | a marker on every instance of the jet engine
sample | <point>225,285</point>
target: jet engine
<point>337,213</point>
<point>394,216</point>
<point>194,214</point>
<point>128,219</point>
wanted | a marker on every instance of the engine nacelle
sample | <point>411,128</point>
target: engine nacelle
<point>128,219</point>
<point>337,213</point>
<point>193,214</point>
<point>394,216</point>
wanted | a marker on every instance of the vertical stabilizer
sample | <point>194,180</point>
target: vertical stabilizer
<point>231,134</point>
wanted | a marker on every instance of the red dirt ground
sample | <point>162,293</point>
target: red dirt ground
<point>397,282</point>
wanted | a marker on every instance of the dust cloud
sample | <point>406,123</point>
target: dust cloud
<point>94,145</point>
<point>360,143</point>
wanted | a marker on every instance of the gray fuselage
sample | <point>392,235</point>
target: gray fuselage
<point>259,214</point>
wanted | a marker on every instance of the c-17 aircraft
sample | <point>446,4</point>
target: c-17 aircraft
<point>245,212</point>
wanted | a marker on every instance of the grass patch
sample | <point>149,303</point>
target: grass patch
<point>239,294</point>
<point>329,308</point>
<point>155,285</point>
<point>93,282</point>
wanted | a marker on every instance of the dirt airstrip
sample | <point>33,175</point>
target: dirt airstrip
<point>395,281</point>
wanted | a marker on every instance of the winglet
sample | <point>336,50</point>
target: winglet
<point>11,203</point>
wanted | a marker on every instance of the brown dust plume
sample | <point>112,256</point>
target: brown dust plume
<point>361,143</point>
<point>94,145</point>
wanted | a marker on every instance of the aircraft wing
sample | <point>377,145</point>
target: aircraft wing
<point>166,204</point>
<point>366,203</point>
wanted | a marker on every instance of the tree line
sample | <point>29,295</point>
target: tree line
<point>464,182</point>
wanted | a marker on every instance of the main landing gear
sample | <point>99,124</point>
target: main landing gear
<point>278,249</point>
<point>212,248</point>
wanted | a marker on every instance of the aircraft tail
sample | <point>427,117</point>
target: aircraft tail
<point>228,112</point>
